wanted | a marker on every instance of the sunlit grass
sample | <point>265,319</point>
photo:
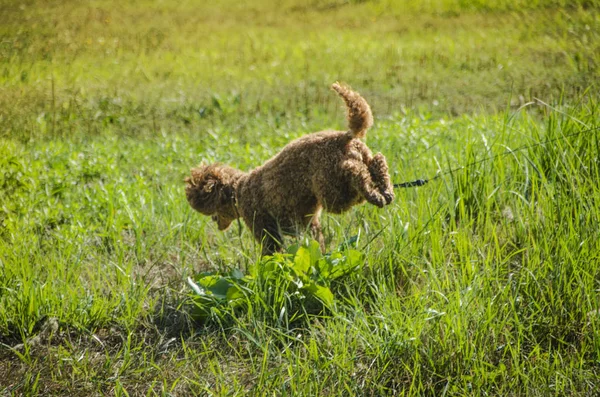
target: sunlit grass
<point>139,68</point>
<point>483,281</point>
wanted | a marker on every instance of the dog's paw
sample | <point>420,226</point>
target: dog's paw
<point>389,196</point>
<point>377,199</point>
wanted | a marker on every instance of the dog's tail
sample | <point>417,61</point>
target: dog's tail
<point>360,118</point>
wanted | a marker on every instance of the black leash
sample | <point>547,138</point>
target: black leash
<point>418,182</point>
<point>421,182</point>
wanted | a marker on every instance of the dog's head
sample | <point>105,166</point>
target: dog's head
<point>210,190</point>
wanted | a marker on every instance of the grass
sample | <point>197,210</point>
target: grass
<point>483,281</point>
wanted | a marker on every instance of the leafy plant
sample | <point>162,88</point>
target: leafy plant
<point>299,275</point>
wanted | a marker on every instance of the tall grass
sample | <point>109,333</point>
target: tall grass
<point>483,281</point>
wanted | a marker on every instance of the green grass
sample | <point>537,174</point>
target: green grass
<point>484,281</point>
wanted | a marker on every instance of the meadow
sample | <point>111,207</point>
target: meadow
<point>482,282</point>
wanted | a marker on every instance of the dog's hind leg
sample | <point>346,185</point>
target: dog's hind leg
<point>379,171</point>
<point>317,234</point>
<point>361,180</point>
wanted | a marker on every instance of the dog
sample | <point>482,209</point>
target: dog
<point>327,170</point>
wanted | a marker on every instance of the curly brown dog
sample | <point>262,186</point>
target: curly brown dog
<point>331,170</point>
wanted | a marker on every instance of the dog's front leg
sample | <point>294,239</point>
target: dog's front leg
<point>267,233</point>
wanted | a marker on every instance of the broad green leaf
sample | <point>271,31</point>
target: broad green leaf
<point>345,264</point>
<point>302,261</point>
<point>237,274</point>
<point>217,285</point>
<point>323,267</point>
<point>315,252</point>
<point>200,311</point>
<point>323,293</point>
<point>355,258</point>
<point>293,249</point>
<point>268,266</point>
<point>234,292</point>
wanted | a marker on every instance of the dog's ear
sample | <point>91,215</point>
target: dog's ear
<point>213,181</point>
<point>210,184</point>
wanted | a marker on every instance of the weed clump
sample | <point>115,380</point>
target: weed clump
<point>279,289</point>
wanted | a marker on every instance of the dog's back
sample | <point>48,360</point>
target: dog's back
<point>307,174</point>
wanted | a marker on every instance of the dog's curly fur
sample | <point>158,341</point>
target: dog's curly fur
<point>330,170</point>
